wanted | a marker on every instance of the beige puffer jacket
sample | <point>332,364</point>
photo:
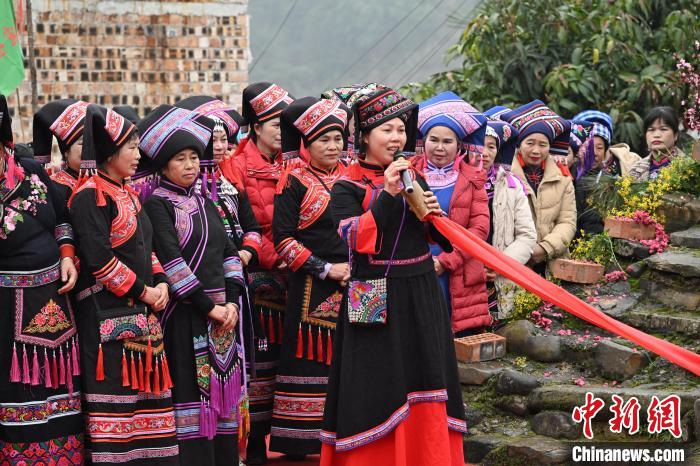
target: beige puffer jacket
<point>553,209</point>
<point>625,156</point>
<point>514,232</point>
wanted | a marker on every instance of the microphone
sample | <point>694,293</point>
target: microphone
<point>405,174</point>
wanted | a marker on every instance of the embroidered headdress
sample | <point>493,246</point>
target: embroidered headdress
<point>309,118</point>
<point>13,172</point>
<point>128,112</point>
<point>6,137</point>
<point>225,117</point>
<point>602,124</point>
<point>494,113</point>
<point>264,101</point>
<point>168,130</point>
<point>506,137</point>
<point>383,105</point>
<point>581,142</point>
<point>64,119</point>
<point>349,95</point>
<point>449,110</point>
<point>105,132</point>
<point>536,117</point>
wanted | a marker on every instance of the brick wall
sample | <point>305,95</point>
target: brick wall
<point>134,52</point>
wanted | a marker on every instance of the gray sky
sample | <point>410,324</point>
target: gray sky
<point>324,44</point>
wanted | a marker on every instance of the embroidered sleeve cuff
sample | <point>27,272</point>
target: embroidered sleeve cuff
<point>182,281</point>
<point>116,277</point>
<point>293,253</point>
<point>252,240</point>
<point>233,268</point>
<point>64,233</point>
<point>360,233</point>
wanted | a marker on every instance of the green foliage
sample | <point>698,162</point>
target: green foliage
<point>616,56</point>
<point>524,303</point>
<point>612,195</point>
<point>684,175</point>
<point>593,248</point>
<point>604,194</point>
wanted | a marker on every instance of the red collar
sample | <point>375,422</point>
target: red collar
<point>366,173</point>
<point>522,162</point>
<point>257,163</point>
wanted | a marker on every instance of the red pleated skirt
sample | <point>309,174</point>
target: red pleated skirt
<point>422,439</point>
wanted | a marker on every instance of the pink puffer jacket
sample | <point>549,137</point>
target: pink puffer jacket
<point>469,207</point>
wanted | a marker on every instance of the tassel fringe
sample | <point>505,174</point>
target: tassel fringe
<point>54,370</point>
<point>35,368</point>
<point>156,379</point>
<point>14,369</point>
<point>329,348</point>
<point>61,367</point>
<point>74,354</point>
<point>319,346</point>
<point>100,370</point>
<point>25,366</point>
<point>134,375</point>
<point>47,370</point>
<point>300,343</point>
<point>125,370</point>
<point>309,345</point>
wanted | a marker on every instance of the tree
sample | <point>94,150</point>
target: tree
<point>613,55</point>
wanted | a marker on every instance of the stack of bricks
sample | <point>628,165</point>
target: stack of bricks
<point>134,52</point>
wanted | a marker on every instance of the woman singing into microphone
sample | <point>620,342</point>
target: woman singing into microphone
<point>393,391</point>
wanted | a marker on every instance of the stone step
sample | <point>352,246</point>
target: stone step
<point>618,362</point>
<point>476,447</point>
<point>680,211</point>
<point>689,238</point>
<point>630,249</point>
<point>673,290</point>
<point>560,425</point>
<point>566,397</point>
<point>529,450</point>
<point>478,373</point>
<point>522,337</point>
<point>661,320</point>
<point>489,450</point>
<point>683,263</point>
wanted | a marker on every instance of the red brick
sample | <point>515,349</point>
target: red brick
<point>482,347</point>
<point>628,229</point>
<point>577,271</point>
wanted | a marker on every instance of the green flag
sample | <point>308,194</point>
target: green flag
<point>11,60</point>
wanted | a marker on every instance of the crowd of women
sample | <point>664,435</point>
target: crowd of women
<point>200,279</point>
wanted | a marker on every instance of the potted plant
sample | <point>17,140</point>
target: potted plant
<point>589,255</point>
<point>627,228</point>
<point>633,209</point>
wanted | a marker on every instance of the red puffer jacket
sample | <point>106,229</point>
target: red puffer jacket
<point>469,207</point>
<point>253,173</point>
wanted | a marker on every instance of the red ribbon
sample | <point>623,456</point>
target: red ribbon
<point>523,276</point>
